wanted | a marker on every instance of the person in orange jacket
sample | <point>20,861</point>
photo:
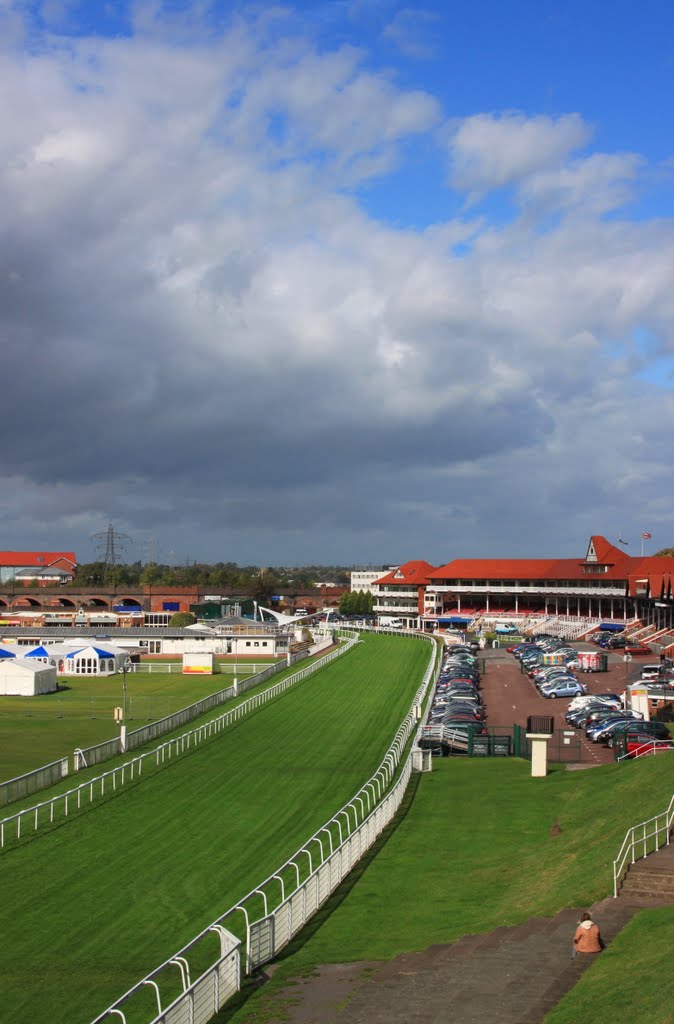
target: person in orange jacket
<point>587,938</point>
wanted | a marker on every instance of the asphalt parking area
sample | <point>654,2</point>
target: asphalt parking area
<point>511,697</point>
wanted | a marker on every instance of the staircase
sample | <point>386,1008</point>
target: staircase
<point>650,882</point>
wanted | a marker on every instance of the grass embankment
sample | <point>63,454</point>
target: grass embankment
<point>35,731</point>
<point>88,909</point>
<point>474,851</point>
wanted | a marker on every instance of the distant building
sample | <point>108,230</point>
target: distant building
<point>363,579</point>
<point>399,594</point>
<point>42,567</point>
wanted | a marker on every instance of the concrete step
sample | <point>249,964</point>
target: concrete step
<point>646,882</point>
<point>654,896</point>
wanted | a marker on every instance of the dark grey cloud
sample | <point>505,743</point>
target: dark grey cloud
<point>206,340</point>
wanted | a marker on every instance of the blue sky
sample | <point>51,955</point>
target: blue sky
<point>341,282</point>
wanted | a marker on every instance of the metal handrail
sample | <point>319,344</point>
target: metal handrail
<point>649,747</point>
<point>640,834</point>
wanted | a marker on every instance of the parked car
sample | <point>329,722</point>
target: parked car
<point>603,699</point>
<point>638,650</point>
<point>657,730</point>
<point>635,742</point>
<point>558,677</point>
<point>596,731</point>
<point>563,688</point>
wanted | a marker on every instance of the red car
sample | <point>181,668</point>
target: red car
<point>637,650</point>
<point>640,744</point>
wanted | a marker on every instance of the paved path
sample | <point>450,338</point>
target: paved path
<point>508,976</point>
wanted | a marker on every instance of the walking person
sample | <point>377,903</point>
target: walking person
<point>587,937</point>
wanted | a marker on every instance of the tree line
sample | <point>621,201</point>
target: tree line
<point>257,581</point>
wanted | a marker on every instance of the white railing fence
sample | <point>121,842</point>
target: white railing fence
<point>646,837</point>
<point>276,910</point>
<point>230,668</point>
<point>25,785</point>
<point>62,806</point>
<point>96,754</point>
<point>647,749</point>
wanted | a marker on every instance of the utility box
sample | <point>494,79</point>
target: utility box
<point>500,746</point>
<point>200,663</point>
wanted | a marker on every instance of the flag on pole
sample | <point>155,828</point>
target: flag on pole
<point>645,536</point>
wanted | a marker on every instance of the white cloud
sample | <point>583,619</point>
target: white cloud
<point>411,31</point>
<point>490,151</point>
<point>600,182</point>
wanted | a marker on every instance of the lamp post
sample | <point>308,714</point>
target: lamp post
<point>122,738</point>
<point>125,669</point>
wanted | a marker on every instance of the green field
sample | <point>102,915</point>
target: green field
<point>473,851</point>
<point>35,731</point>
<point>89,908</point>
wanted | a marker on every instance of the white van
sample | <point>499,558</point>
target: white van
<point>650,672</point>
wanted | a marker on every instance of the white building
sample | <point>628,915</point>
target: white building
<point>364,579</point>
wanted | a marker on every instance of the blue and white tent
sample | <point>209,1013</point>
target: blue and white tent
<point>95,661</point>
<point>39,652</point>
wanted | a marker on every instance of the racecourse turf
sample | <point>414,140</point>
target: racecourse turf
<point>34,731</point>
<point>87,909</point>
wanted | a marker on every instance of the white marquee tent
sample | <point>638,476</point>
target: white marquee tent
<point>25,677</point>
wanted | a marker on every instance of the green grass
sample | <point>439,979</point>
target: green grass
<point>35,731</point>
<point>473,851</point>
<point>89,908</point>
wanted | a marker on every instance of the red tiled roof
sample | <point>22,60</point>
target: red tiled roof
<point>411,573</point>
<point>648,572</point>
<point>39,559</point>
<point>618,562</point>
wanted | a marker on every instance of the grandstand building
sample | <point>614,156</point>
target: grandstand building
<point>605,583</point>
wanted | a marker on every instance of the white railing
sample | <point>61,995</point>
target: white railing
<point>642,839</point>
<point>276,910</point>
<point>96,754</point>
<point>647,749</point>
<point>231,668</point>
<point>62,806</point>
<point>24,785</point>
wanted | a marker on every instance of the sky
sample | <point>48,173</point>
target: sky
<point>347,282</point>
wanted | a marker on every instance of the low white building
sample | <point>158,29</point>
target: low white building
<point>24,677</point>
